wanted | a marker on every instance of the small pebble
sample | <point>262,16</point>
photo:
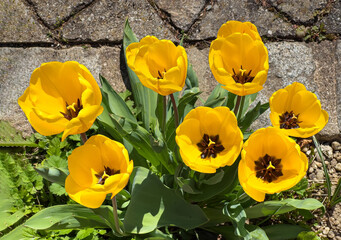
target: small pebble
<point>331,234</point>
<point>336,145</point>
<point>305,149</point>
<point>320,175</point>
<point>311,170</point>
<point>327,150</point>
<point>312,176</point>
<point>326,230</point>
<point>333,162</point>
<point>308,152</point>
<point>338,167</point>
<point>318,164</point>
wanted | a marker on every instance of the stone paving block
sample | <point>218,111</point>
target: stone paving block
<point>333,19</point>
<point>52,12</point>
<point>303,11</point>
<point>17,24</point>
<point>182,12</point>
<point>17,65</point>
<point>268,23</point>
<point>338,81</point>
<point>104,20</point>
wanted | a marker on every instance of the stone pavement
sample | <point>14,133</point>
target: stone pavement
<point>90,32</point>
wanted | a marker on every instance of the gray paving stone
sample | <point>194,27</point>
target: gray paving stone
<point>52,12</point>
<point>302,11</point>
<point>338,82</point>
<point>17,65</point>
<point>268,23</point>
<point>104,20</point>
<point>17,23</point>
<point>333,19</point>
<point>182,12</point>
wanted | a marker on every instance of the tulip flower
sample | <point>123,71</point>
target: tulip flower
<point>271,162</point>
<point>159,64</point>
<point>61,97</point>
<point>238,58</point>
<point>209,139</point>
<point>97,168</point>
<point>297,111</point>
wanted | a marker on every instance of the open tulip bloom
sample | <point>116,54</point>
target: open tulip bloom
<point>159,64</point>
<point>99,167</point>
<point>209,139</point>
<point>271,162</point>
<point>61,97</point>
<point>297,111</point>
<point>238,58</point>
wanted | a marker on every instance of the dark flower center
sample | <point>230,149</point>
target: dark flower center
<point>289,120</point>
<point>161,75</point>
<point>210,146</point>
<point>242,76</point>
<point>106,173</point>
<point>72,110</point>
<point>268,168</point>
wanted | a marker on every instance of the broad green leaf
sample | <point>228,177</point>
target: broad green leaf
<point>191,79</point>
<point>145,144</point>
<point>218,97</point>
<point>252,115</point>
<point>283,231</point>
<point>226,231</point>
<point>226,184</point>
<point>188,185</point>
<point>70,217</point>
<point>301,187</point>
<point>248,101</point>
<point>283,206</point>
<point>52,174</point>
<point>144,98</point>
<point>237,216</point>
<point>305,235</point>
<point>256,232</point>
<point>115,103</point>
<point>10,137</point>
<point>153,205</point>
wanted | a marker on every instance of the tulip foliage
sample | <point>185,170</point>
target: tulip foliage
<point>172,169</point>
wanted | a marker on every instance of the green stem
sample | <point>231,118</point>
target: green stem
<point>328,183</point>
<point>240,111</point>
<point>117,225</point>
<point>164,115</point>
<point>83,137</point>
<point>176,114</point>
<point>236,107</point>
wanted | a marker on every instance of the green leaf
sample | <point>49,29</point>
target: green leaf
<point>153,205</point>
<point>283,206</point>
<point>226,231</point>
<point>301,187</point>
<point>256,232</point>
<point>10,137</point>
<point>145,98</point>
<point>52,174</point>
<point>188,185</point>
<point>248,101</point>
<point>237,216</point>
<point>145,144</point>
<point>226,184</point>
<point>57,189</point>
<point>70,217</point>
<point>252,115</point>
<point>283,231</point>
<point>191,79</point>
<point>115,103</point>
<point>217,98</point>
<point>305,235</point>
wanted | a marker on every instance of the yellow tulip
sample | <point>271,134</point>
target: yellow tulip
<point>238,58</point>
<point>159,64</point>
<point>271,162</point>
<point>98,167</point>
<point>297,111</point>
<point>209,138</point>
<point>61,97</point>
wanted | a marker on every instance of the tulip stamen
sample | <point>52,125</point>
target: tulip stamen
<point>210,146</point>
<point>72,110</point>
<point>106,174</point>
<point>289,120</point>
<point>242,77</point>
<point>268,168</point>
<point>161,75</point>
